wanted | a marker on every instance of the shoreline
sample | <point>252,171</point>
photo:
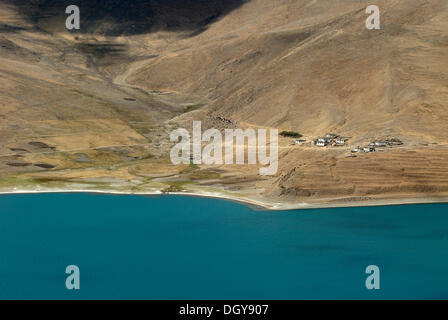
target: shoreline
<point>275,206</point>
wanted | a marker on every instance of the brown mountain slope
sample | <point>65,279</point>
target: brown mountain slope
<point>93,109</point>
<point>319,67</point>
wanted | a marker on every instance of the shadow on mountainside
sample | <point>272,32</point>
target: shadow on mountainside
<point>126,17</point>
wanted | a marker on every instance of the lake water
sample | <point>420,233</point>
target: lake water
<point>175,247</point>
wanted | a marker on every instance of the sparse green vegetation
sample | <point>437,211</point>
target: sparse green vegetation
<point>143,128</point>
<point>10,180</point>
<point>204,175</point>
<point>46,180</point>
<point>175,186</point>
<point>290,134</point>
<point>143,91</point>
<point>193,107</point>
<point>147,156</point>
<point>191,167</point>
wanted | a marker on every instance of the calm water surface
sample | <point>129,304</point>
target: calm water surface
<point>175,247</point>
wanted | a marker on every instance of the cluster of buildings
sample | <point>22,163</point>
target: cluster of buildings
<point>379,144</point>
<point>371,147</point>
<point>364,149</point>
<point>299,141</point>
<point>334,140</point>
<point>330,139</point>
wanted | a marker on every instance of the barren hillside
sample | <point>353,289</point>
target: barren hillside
<point>317,65</point>
<point>101,101</point>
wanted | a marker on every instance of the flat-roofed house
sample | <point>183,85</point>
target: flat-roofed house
<point>378,144</point>
<point>368,149</point>
<point>321,143</point>
<point>381,143</point>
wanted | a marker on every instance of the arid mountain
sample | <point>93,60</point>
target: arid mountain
<point>319,67</point>
<point>94,108</point>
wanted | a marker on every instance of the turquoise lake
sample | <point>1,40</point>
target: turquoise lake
<point>176,247</point>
